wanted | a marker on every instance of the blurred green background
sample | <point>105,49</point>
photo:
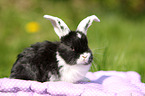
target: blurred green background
<point>117,42</point>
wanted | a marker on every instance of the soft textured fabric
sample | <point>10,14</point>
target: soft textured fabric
<point>103,83</point>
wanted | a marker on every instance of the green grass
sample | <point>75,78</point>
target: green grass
<point>120,45</point>
<point>116,42</point>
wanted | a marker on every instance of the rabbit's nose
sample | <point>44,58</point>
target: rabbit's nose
<point>84,56</point>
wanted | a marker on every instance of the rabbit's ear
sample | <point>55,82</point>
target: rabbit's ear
<point>86,23</point>
<point>60,27</point>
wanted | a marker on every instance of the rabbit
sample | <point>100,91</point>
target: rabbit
<point>67,60</point>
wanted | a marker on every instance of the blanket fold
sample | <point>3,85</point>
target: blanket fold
<point>103,83</point>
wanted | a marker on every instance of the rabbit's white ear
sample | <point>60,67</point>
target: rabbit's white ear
<point>86,23</point>
<point>60,27</point>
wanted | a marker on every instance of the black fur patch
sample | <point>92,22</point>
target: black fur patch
<point>86,27</point>
<point>36,62</point>
<point>80,45</point>
<point>60,25</point>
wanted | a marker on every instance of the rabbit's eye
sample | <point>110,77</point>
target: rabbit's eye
<point>72,49</point>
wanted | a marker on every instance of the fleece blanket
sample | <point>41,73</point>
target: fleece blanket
<point>102,83</point>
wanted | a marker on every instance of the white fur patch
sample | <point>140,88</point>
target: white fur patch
<point>79,35</point>
<point>71,73</point>
<point>84,58</point>
<point>86,23</point>
<point>59,25</point>
<point>53,77</point>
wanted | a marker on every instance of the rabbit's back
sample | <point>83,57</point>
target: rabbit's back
<point>35,62</point>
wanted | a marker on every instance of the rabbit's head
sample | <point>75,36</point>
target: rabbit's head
<point>73,48</point>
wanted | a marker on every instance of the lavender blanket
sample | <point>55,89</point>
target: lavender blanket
<point>103,83</point>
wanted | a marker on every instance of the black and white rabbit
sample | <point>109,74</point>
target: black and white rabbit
<point>68,60</point>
